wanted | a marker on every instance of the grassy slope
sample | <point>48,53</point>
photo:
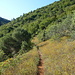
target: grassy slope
<point>59,57</point>
<point>25,64</point>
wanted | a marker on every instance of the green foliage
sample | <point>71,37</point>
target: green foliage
<point>65,27</point>
<point>1,55</point>
<point>21,35</point>
<point>73,35</point>
<point>25,47</point>
<point>42,36</point>
<point>11,44</point>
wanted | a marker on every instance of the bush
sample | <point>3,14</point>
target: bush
<point>73,35</point>
<point>1,55</point>
<point>12,44</point>
<point>21,35</point>
<point>9,46</point>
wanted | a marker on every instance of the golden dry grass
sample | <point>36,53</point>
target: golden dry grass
<point>59,57</point>
<point>25,64</point>
<point>35,40</point>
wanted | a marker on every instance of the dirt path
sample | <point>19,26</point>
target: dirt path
<point>40,64</point>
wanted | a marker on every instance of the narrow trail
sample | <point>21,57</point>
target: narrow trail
<point>40,64</point>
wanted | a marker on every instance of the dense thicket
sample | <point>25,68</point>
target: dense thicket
<point>3,21</point>
<point>52,21</point>
<point>13,43</point>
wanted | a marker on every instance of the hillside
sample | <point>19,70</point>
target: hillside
<point>42,18</point>
<point>3,21</point>
<point>58,58</point>
<point>53,28</point>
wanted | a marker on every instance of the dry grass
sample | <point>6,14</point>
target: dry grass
<point>35,40</point>
<point>25,64</point>
<point>59,57</point>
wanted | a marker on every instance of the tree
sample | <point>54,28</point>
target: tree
<point>21,35</point>
<point>12,44</point>
<point>24,47</point>
<point>9,46</point>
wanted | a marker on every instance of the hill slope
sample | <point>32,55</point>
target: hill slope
<point>38,20</point>
<point>25,64</point>
<point>54,22</point>
<point>58,58</point>
<point>3,21</point>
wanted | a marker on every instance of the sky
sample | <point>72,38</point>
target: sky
<point>10,9</point>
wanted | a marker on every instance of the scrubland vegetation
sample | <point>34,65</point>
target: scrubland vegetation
<point>50,22</point>
<point>25,64</point>
<point>53,27</point>
<point>59,57</point>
